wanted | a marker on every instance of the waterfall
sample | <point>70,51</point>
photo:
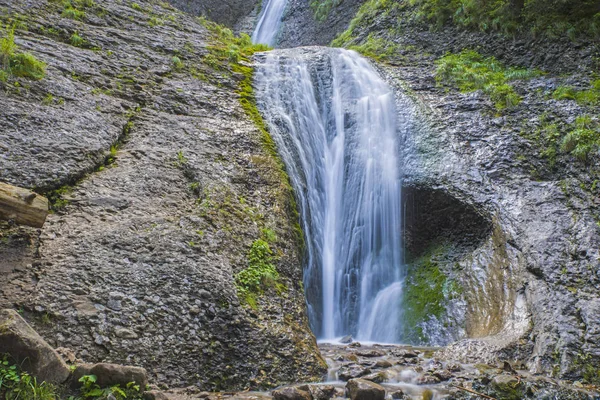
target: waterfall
<point>333,119</point>
<point>268,22</point>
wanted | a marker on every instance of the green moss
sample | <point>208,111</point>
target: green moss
<point>426,293</point>
<point>259,275</point>
<point>470,71</point>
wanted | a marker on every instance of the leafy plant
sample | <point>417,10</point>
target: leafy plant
<point>16,384</point>
<point>470,71</point>
<point>91,390</point>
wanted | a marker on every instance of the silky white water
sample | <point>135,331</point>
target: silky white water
<point>269,22</point>
<point>333,119</point>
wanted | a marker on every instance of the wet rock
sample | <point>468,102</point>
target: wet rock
<point>377,377</point>
<point>427,394</point>
<point>354,344</point>
<point>399,395</point>
<point>155,395</point>
<point>30,350</point>
<point>454,367</point>
<point>427,379</point>
<point>360,389</point>
<point>319,392</point>
<point>442,374</point>
<point>347,373</point>
<point>291,393</point>
<point>508,387</point>
<point>383,364</point>
<point>370,353</point>
<point>111,374</point>
<point>346,339</point>
<point>403,353</point>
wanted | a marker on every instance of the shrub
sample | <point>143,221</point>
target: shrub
<point>27,66</point>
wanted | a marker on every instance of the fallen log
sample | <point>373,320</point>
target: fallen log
<point>22,206</point>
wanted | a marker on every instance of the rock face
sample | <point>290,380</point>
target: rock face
<point>138,263</point>
<point>300,27</point>
<point>227,12</point>
<point>29,350</point>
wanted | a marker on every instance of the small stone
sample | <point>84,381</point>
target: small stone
<point>319,392</point>
<point>124,333</point>
<point>360,389</point>
<point>346,373</point>
<point>354,344</point>
<point>427,394</point>
<point>454,367</point>
<point>291,393</point>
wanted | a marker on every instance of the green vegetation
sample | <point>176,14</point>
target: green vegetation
<point>16,384</point>
<point>260,273</point>
<point>322,8</point>
<point>426,293</point>
<point>470,71</point>
<point>77,40</point>
<point>589,97</point>
<point>583,139</point>
<point>91,390</point>
<point>75,9</point>
<point>552,18</point>
<point>15,63</point>
<point>177,63</point>
<point>377,48</point>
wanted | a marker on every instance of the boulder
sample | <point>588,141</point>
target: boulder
<point>112,374</point>
<point>360,389</point>
<point>291,393</point>
<point>399,395</point>
<point>30,350</point>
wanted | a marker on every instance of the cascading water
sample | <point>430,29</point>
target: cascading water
<point>268,22</point>
<point>333,119</point>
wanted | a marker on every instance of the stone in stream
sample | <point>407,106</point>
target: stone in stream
<point>376,377</point>
<point>29,350</point>
<point>442,374</point>
<point>370,353</point>
<point>383,364</point>
<point>291,393</point>
<point>427,379</point>
<point>399,395</point>
<point>360,389</point>
<point>319,392</point>
<point>346,339</point>
<point>346,373</point>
